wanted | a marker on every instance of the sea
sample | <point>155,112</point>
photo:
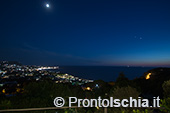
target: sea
<point>105,73</point>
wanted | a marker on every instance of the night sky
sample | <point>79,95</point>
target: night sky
<point>86,32</point>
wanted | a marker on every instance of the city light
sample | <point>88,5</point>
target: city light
<point>148,76</point>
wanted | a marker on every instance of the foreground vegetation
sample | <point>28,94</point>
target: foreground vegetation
<point>42,93</point>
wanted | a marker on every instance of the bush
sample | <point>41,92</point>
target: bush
<point>124,93</point>
<point>166,88</point>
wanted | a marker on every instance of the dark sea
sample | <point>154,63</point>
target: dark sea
<point>106,73</point>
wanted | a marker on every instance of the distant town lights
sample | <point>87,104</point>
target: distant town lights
<point>88,88</point>
<point>97,85</point>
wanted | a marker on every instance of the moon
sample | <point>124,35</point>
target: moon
<point>47,5</point>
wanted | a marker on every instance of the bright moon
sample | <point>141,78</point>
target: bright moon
<point>47,5</point>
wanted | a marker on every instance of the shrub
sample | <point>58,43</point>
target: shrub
<point>166,88</point>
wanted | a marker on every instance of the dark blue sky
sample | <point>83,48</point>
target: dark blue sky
<point>86,32</point>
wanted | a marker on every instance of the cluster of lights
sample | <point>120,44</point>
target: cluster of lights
<point>43,68</point>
